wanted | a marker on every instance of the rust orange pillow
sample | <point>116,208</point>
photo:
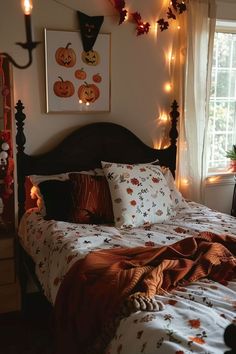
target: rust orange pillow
<point>91,199</point>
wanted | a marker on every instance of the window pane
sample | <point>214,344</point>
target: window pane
<point>220,124</point>
<point>231,141</point>
<point>224,42</point>
<point>213,83</point>
<point>222,89</point>
<point>232,116</point>
<point>232,84</point>
<point>234,52</point>
<point>222,104</point>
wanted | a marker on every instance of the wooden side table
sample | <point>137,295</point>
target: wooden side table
<point>233,210</point>
<point>10,299</point>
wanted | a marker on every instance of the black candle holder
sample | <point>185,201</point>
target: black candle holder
<point>28,45</point>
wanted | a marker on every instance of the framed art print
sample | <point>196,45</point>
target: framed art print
<point>76,81</point>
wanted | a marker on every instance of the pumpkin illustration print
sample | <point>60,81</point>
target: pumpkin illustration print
<point>88,93</point>
<point>65,56</point>
<point>63,88</point>
<point>91,57</point>
<point>80,74</point>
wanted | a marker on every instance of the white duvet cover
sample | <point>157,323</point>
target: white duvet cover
<point>194,317</point>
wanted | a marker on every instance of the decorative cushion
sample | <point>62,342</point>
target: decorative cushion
<point>30,201</point>
<point>91,199</point>
<point>177,198</point>
<point>139,193</point>
<point>57,199</point>
<point>35,192</point>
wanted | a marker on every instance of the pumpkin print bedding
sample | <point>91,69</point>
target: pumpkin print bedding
<point>185,317</point>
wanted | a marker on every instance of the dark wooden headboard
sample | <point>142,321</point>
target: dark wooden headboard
<point>86,147</point>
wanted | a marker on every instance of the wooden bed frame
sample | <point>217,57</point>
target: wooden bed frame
<point>83,150</point>
<point>86,147</point>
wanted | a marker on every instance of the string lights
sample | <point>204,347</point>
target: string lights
<point>175,8</point>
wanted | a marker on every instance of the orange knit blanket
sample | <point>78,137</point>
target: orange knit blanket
<point>95,287</point>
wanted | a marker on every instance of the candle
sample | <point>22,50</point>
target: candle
<point>27,9</point>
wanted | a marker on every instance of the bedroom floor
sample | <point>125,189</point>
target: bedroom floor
<point>28,333</point>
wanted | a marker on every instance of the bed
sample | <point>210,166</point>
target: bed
<point>142,282</point>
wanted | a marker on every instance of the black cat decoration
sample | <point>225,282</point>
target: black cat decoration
<point>89,27</point>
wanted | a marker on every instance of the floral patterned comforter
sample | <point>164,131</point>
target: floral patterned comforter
<point>194,318</point>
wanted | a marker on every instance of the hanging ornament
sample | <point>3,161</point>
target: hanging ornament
<point>89,27</point>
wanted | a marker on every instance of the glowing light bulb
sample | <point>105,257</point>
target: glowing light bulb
<point>185,181</point>
<point>80,101</point>
<point>163,117</point>
<point>87,103</point>
<point>213,179</point>
<point>167,87</point>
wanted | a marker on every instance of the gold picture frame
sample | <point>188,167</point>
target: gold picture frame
<point>76,81</point>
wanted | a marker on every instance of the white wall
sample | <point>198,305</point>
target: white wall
<point>138,72</point>
<point>138,68</point>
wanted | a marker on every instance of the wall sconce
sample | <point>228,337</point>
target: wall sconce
<point>29,44</point>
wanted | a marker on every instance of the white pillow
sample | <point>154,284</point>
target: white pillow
<point>139,194</point>
<point>177,198</point>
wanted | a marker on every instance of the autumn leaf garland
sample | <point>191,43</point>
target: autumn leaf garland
<point>176,7</point>
<point>120,7</point>
<point>141,26</point>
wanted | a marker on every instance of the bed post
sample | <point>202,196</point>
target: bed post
<point>174,114</point>
<point>173,134</point>
<point>20,146</point>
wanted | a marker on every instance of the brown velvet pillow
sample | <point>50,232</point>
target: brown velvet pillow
<point>91,199</point>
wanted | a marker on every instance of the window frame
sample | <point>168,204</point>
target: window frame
<point>222,26</point>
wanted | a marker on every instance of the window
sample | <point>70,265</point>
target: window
<point>222,105</point>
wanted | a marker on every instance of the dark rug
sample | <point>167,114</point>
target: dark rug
<point>28,332</point>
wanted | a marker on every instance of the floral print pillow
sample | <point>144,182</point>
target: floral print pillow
<point>140,194</point>
<point>177,198</point>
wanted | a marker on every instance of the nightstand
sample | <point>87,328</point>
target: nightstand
<point>9,285</point>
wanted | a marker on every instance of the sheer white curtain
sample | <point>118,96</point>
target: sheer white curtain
<point>192,157</point>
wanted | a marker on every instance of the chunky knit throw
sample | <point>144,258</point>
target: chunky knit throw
<point>107,285</point>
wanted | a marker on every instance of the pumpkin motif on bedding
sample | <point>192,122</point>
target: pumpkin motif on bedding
<point>91,57</point>
<point>65,56</point>
<point>63,88</point>
<point>88,93</point>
